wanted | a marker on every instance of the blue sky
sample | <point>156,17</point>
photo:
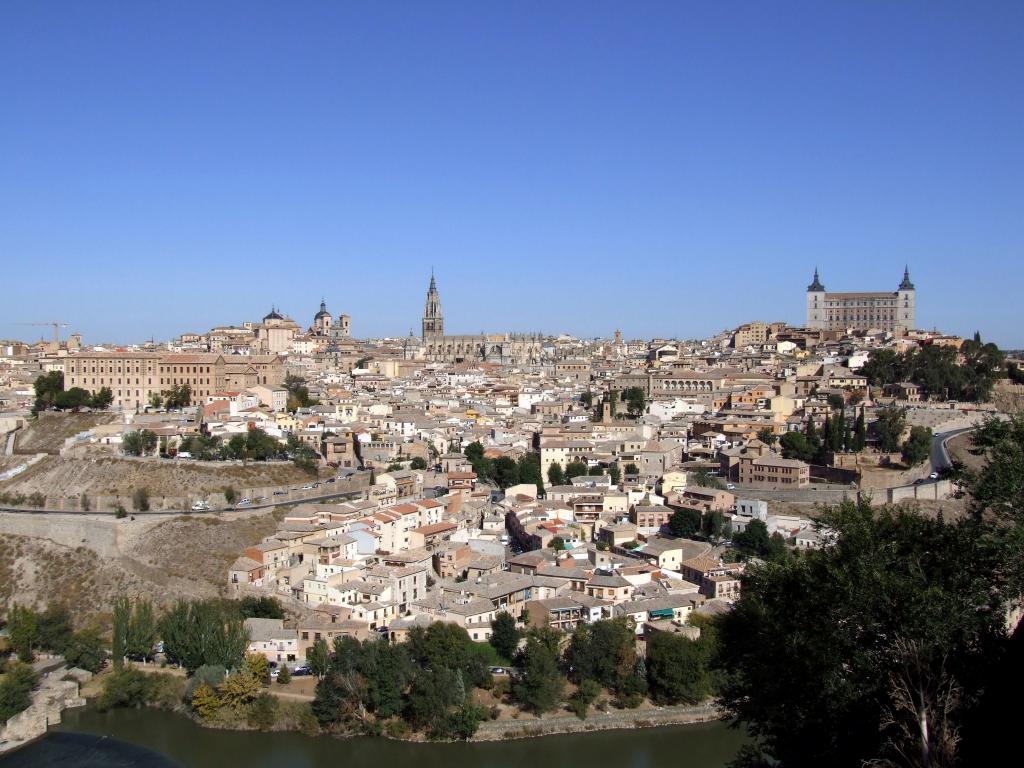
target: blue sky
<point>664,168</point>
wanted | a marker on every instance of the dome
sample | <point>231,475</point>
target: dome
<point>323,311</point>
<point>273,315</point>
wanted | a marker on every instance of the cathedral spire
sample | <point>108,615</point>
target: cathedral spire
<point>433,319</point>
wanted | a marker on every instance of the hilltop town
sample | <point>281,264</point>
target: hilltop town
<point>375,487</point>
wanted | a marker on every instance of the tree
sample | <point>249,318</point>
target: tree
<point>122,625</point>
<point>678,669</point>
<point>529,471</point>
<point>557,543</point>
<point>177,397</point>
<point>755,541</point>
<point>102,399</point>
<point>319,658</point>
<point>918,446</point>
<point>713,524</point>
<point>574,469</point>
<point>836,402</point>
<point>16,689</point>
<point>586,693</point>
<point>47,387</point>
<point>504,635</point>
<point>860,433</point>
<point>684,523</point>
<point>53,628</point>
<point>85,650</point>
<point>889,428</point>
<point>140,500</point>
<point>634,399</point>
<point>767,436</point>
<point>141,634</point>
<point>230,494</point>
<point>899,605</point>
<point>418,462</point>
<point>795,446</point>
<point>239,689</point>
<point>605,652</point>
<point>615,473</point>
<point>203,633</point>
<point>284,676</point>
<point>538,688</point>
<point>258,666</point>
<point>138,443</point>
<point>261,607</point>
<point>506,472</point>
<point>22,631</point>
<point>205,701</point>
<point>555,474</point>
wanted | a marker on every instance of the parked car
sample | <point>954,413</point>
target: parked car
<point>300,671</point>
<point>280,493</point>
<point>200,506</point>
<point>730,487</point>
<point>245,501</point>
<point>933,476</point>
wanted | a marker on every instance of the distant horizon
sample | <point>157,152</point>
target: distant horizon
<point>573,167</point>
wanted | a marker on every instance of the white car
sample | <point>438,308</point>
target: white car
<point>245,501</point>
<point>200,506</point>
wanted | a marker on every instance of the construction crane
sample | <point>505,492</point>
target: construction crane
<point>56,324</point>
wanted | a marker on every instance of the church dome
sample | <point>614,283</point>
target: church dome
<point>323,311</point>
<point>273,315</point>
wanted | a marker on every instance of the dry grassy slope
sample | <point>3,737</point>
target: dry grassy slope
<point>197,547</point>
<point>959,450</point>
<point>183,557</point>
<point>71,476</point>
<point>47,433</point>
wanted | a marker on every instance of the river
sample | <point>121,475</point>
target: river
<point>156,739</point>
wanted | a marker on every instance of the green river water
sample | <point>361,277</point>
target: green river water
<point>90,739</point>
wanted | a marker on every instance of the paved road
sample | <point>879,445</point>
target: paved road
<point>940,455</point>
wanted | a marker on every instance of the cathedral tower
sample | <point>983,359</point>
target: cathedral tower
<point>433,320</point>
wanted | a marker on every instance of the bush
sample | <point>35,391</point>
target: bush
<point>140,500</point>
<point>119,511</point>
<point>262,712</point>
<point>284,676</point>
<point>85,650</point>
<point>124,687</point>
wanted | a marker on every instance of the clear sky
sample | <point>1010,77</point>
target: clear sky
<point>664,168</point>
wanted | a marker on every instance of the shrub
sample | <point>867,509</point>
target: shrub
<point>262,712</point>
<point>140,500</point>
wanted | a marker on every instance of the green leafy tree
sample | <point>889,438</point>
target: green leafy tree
<point>102,399</point>
<point>230,494</point>
<point>529,471</point>
<point>53,627</point>
<point>767,436</point>
<point>539,685</point>
<point>506,472</point>
<point>889,428</point>
<point>122,626</point>
<point>575,469</point>
<point>319,658</point>
<point>203,633</point>
<point>47,387</point>
<point>284,676</point>
<point>795,446</point>
<point>918,446</point>
<point>635,400</point>
<point>615,473</point>
<point>85,650</point>
<point>684,523</point>
<point>893,635</point>
<point>141,632</point>
<point>418,462</point>
<point>631,469</point>
<point>504,635</point>
<point>555,474</point>
<point>138,443</point>
<point>678,669</point>
<point>262,713</point>
<point>16,688</point>
<point>22,631</point>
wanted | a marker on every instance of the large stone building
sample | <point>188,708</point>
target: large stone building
<point>883,311</point>
<point>133,377</point>
<point>436,346</point>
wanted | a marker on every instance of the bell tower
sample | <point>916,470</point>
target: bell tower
<point>433,319</point>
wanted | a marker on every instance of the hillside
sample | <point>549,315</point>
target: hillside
<point>47,433</point>
<point>108,475</point>
<point>162,559</point>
